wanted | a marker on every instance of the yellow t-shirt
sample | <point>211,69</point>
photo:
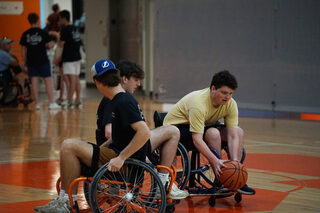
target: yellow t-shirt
<point>197,110</point>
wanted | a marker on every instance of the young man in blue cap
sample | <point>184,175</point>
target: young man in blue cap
<point>131,137</point>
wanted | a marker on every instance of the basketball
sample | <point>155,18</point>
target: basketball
<point>234,176</point>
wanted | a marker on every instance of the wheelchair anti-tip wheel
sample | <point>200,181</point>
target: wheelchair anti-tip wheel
<point>135,188</point>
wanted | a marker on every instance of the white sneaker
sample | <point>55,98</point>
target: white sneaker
<point>177,194</point>
<point>37,107</point>
<point>54,105</point>
<point>55,206</point>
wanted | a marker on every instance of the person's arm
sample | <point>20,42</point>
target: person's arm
<point>203,148</point>
<point>140,138</point>
<point>233,143</point>
<point>107,143</point>
<point>107,135</point>
<point>107,130</point>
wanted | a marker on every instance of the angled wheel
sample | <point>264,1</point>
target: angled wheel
<point>183,166</point>
<point>135,188</point>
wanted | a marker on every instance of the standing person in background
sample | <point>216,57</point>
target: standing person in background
<point>70,41</point>
<point>35,43</point>
<point>53,19</point>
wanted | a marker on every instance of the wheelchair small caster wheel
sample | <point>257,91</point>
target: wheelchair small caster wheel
<point>238,197</point>
<point>212,201</point>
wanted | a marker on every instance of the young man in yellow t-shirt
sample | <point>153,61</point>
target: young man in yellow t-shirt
<point>196,115</point>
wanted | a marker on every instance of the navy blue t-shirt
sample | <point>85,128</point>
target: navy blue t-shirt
<point>35,40</point>
<point>126,111</point>
<point>103,118</point>
<point>71,49</point>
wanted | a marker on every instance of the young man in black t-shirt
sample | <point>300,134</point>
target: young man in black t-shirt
<point>70,41</point>
<point>35,43</point>
<point>130,138</point>
<point>131,76</point>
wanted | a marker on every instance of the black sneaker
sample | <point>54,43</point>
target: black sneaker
<point>246,190</point>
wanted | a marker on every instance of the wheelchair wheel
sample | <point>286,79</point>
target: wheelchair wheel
<point>9,95</point>
<point>86,189</point>
<point>135,188</point>
<point>183,166</point>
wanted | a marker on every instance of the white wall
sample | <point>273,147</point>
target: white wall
<point>96,33</point>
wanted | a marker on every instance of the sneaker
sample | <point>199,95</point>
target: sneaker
<point>57,206</point>
<point>59,101</point>
<point>51,205</point>
<point>37,107</point>
<point>177,194</point>
<point>78,105</point>
<point>54,105</point>
<point>246,190</point>
<point>70,106</point>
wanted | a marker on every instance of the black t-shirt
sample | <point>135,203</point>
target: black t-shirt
<point>103,118</point>
<point>35,40</point>
<point>126,111</point>
<point>71,49</point>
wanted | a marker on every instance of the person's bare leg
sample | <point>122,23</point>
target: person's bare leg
<point>213,139</point>
<point>73,151</point>
<point>49,90</point>
<point>78,89</point>
<point>167,138</point>
<point>234,148</point>
<point>34,89</point>
<point>71,88</point>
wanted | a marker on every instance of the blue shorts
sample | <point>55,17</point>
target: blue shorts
<point>42,70</point>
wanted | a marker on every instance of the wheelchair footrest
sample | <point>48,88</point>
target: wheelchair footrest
<point>217,192</point>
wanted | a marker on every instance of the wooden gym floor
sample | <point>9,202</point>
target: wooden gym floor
<point>283,158</point>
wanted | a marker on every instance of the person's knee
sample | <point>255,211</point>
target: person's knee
<point>69,144</point>
<point>212,136</point>
<point>174,132</point>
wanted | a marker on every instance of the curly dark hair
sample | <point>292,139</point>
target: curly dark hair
<point>224,78</point>
<point>130,69</point>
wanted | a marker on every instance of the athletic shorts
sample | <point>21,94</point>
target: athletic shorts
<point>100,156</point>
<point>71,68</point>
<point>186,135</point>
<point>42,71</point>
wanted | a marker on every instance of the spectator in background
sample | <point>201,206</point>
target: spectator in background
<point>70,41</point>
<point>35,43</point>
<point>53,19</point>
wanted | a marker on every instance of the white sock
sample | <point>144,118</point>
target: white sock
<point>163,177</point>
<point>74,198</point>
<point>62,194</point>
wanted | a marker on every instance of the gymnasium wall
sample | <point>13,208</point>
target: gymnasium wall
<point>272,47</point>
<point>13,25</point>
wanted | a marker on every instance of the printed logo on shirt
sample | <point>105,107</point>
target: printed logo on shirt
<point>34,39</point>
<point>141,114</point>
<point>76,36</point>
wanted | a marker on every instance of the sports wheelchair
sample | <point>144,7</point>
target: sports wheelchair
<point>11,92</point>
<point>202,180</point>
<point>135,188</point>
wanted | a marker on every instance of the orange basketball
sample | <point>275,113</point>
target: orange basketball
<point>234,175</point>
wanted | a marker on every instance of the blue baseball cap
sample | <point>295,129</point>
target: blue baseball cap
<point>101,67</point>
